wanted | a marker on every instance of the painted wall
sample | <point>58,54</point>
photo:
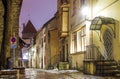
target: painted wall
<point>54,52</point>
<point>76,28</point>
<point>109,8</point>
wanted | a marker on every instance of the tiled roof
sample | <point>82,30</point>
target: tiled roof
<point>29,28</point>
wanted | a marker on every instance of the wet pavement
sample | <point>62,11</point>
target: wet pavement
<point>56,74</point>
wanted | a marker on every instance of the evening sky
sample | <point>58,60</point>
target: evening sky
<point>38,11</point>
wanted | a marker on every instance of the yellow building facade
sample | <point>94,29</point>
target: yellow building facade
<point>77,35</point>
<point>86,36</point>
<point>44,53</point>
<point>62,25</point>
<point>94,36</point>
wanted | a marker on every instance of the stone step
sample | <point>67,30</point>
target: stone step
<point>106,63</point>
<point>106,67</point>
<point>63,65</point>
<point>118,74</point>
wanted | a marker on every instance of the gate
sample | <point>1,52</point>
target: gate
<point>108,43</point>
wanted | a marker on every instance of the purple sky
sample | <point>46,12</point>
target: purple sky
<point>38,11</point>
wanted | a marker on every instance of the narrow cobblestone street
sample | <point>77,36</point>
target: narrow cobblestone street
<point>56,74</point>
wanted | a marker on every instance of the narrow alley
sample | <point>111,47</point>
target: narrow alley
<point>58,74</point>
<point>79,40</point>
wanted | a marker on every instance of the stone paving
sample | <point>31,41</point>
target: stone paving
<point>56,74</point>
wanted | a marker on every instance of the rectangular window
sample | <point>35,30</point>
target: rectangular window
<point>81,45</point>
<point>79,41</point>
<point>74,42</point>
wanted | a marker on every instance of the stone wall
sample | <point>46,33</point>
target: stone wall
<point>9,26</point>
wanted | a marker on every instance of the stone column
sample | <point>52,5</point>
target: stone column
<point>11,28</point>
<point>1,31</point>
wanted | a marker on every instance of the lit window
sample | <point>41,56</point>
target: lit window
<point>74,43</point>
<point>81,38</point>
<point>79,41</point>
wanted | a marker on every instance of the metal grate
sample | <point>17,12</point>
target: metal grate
<point>108,43</point>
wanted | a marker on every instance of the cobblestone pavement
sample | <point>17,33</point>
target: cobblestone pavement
<point>55,74</point>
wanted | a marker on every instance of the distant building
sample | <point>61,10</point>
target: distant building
<point>44,53</point>
<point>28,35</point>
<point>28,32</point>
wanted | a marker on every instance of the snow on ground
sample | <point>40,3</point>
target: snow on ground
<point>60,71</point>
<point>54,71</point>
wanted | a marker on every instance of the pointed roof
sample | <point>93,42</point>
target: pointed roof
<point>29,28</point>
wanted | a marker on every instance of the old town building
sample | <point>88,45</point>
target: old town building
<point>63,28</point>
<point>77,35</point>
<point>102,54</point>
<point>94,36</point>
<point>28,35</point>
<point>28,32</point>
<point>51,39</point>
<point>83,35</point>
<point>44,53</point>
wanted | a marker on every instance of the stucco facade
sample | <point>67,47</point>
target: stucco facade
<point>77,35</point>
<point>93,35</point>
<point>46,46</point>
<point>84,34</point>
<point>110,9</point>
<point>103,43</point>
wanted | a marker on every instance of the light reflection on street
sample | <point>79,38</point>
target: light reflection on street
<point>59,74</point>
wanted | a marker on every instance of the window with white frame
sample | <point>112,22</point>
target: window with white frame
<point>74,42</point>
<point>79,41</point>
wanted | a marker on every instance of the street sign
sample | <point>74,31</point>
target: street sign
<point>13,46</point>
<point>13,39</point>
<point>13,42</point>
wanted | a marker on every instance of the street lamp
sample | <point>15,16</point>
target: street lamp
<point>85,11</point>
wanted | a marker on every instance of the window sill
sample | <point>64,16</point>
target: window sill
<point>81,52</point>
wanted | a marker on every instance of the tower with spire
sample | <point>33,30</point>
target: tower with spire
<point>28,32</point>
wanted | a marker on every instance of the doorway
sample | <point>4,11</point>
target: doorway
<point>108,44</point>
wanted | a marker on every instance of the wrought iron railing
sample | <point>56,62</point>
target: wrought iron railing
<point>93,53</point>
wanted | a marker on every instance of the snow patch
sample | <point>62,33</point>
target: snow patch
<point>60,71</point>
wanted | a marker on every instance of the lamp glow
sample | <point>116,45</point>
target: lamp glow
<point>85,11</point>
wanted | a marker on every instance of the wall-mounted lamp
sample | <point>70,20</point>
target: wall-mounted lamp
<point>85,11</point>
